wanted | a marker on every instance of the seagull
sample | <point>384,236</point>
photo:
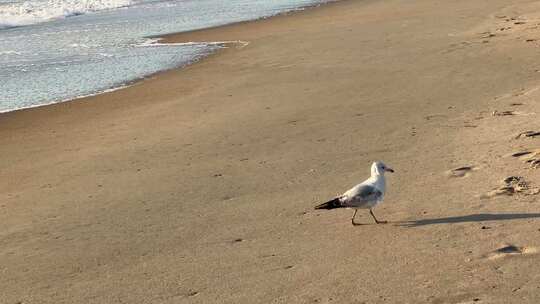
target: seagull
<point>365,195</point>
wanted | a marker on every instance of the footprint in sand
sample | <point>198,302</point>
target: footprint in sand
<point>457,46</point>
<point>503,113</point>
<point>528,134</point>
<point>192,293</point>
<point>511,250</point>
<point>532,157</point>
<point>460,171</point>
<point>535,163</point>
<point>486,35</point>
<point>521,153</point>
<point>513,185</point>
<point>435,116</point>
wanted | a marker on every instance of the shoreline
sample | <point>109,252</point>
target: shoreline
<point>164,40</point>
<point>198,185</point>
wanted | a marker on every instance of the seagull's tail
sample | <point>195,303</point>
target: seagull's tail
<point>335,203</point>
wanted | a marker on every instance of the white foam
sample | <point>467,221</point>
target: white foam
<point>37,11</point>
<point>157,42</point>
<point>9,53</point>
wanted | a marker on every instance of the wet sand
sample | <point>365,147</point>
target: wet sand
<point>198,185</point>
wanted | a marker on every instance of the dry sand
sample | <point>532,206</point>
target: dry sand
<point>198,185</point>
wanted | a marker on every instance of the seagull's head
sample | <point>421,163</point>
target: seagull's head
<point>378,168</point>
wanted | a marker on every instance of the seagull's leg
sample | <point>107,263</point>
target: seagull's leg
<point>376,220</point>
<point>352,220</point>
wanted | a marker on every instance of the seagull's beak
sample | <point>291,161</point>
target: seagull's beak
<point>389,170</point>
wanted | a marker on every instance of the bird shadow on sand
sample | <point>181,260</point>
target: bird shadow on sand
<point>481,217</point>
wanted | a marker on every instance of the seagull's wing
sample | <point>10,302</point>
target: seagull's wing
<point>361,195</point>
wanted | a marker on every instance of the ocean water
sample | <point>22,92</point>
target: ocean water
<point>56,50</point>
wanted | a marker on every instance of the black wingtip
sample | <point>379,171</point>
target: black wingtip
<point>335,203</point>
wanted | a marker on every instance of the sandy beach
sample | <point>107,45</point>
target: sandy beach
<point>197,185</point>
